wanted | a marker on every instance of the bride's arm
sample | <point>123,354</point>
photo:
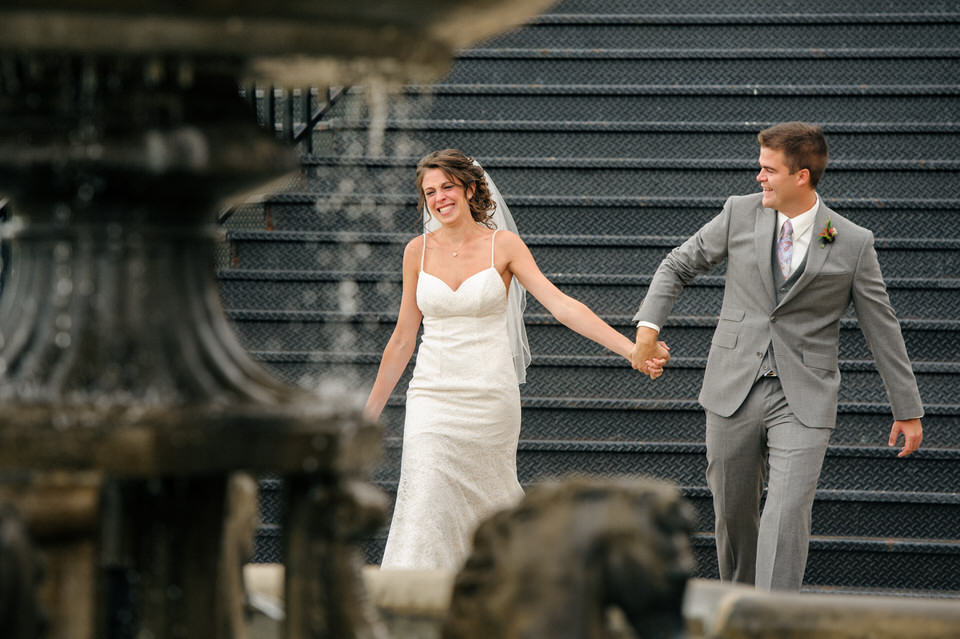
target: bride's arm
<point>570,312</point>
<point>403,341</point>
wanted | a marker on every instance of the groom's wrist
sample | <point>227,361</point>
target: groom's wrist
<point>650,325</point>
<point>647,333</point>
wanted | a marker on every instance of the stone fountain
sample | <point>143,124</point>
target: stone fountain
<point>131,419</point>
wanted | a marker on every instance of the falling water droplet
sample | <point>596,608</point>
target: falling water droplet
<point>379,109</point>
<point>62,251</point>
<point>347,297</point>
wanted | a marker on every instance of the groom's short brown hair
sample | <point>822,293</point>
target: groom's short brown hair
<point>804,147</point>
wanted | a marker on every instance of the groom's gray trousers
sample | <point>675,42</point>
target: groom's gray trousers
<point>768,550</point>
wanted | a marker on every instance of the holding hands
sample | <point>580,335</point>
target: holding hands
<point>649,354</point>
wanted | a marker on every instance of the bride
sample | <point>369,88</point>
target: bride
<point>465,281</point>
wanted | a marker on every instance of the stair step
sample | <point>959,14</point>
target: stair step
<point>654,177</point>
<point>926,340</point>
<point>793,30</point>
<point>863,468</point>
<point>850,131</point>
<point>379,292</point>
<point>701,52</point>
<point>607,377</point>
<point>846,562</point>
<point>836,513</point>
<point>295,250</point>
<point>721,66</point>
<point>573,215</point>
<point>758,10</point>
<point>615,163</point>
<point>603,139</point>
<point>920,13</point>
<point>649,420</point>
<point>711,101</point>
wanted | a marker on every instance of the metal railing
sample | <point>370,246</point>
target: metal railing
<point>292,114</point>
<point>299,112</point>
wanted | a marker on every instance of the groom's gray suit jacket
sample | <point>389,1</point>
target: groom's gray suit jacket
<point>803,328</point>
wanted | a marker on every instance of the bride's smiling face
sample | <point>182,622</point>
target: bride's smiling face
<point>446,198</point>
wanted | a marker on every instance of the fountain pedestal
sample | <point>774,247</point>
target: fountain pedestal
<point>125,396</point>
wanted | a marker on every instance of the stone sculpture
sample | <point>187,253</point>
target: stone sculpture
<point>555,565</point>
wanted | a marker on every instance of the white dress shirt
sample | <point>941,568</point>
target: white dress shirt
<point>802,234</point>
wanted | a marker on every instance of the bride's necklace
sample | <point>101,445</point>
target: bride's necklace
<point>457,250</point>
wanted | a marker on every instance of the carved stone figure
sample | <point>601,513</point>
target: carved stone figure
<point>555,565</point>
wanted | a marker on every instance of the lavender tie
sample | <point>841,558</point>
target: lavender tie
<point>785,248</point>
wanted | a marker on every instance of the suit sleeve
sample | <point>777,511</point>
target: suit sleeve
<point>882,331</point>
<point>700,253</point>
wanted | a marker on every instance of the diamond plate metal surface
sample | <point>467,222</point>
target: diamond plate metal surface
<point>636,121</point>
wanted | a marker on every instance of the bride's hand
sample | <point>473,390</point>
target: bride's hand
<point>653,367</point>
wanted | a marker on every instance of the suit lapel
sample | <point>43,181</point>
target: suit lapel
<point>816,255</point>
<point>766,221</point>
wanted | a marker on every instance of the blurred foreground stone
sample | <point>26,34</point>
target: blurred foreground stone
<point>576,558</point>
<point>413,605</point>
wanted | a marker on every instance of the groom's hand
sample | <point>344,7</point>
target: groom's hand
<point>649,355</point>
<point>654,367</point>
<point>912,432</point>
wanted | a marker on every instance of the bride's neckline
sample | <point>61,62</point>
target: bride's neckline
<point>454,290</point>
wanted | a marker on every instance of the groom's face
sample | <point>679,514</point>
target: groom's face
<point>782,190</point>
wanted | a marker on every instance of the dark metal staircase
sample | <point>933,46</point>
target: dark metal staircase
<point>615,129</point>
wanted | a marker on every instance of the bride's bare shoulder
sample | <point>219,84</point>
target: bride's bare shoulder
<point>415,244</point>
<point>509,242</point>
<point>507,237</point>
<point>413,250</point>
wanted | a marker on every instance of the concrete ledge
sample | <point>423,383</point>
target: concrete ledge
<point>405,592</point>
<point>701,600</point>
<point>756,615</point>
<point>423,593</point>
<point>413,604</point>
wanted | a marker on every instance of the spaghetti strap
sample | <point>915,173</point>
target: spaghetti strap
<point>493,241</point>
<point>423,250</point>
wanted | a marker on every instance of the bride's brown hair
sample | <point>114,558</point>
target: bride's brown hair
<point>461,169</point>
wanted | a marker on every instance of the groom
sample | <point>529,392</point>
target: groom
<point>793,266</point>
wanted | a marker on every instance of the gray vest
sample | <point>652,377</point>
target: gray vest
<point>769,364</point>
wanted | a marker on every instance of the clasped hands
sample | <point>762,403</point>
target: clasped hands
<point>649,354</point>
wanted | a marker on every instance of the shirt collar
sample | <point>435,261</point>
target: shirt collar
<point>802,222</point>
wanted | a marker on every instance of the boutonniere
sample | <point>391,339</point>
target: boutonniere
<point>828,234</point>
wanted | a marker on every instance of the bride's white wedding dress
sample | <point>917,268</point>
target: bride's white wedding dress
<point>462,423</point>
